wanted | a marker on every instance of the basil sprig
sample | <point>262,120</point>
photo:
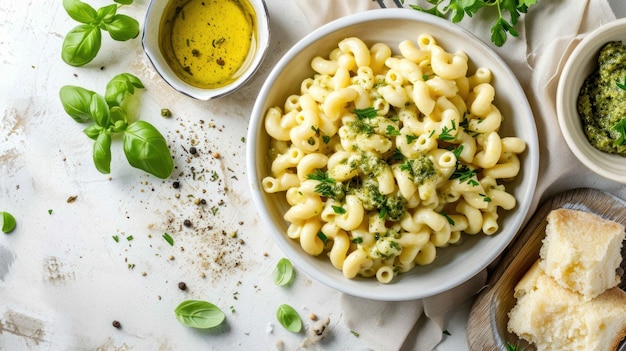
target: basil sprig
<point>199,314</point>
<point>82,43</point>
<point>145,148</point>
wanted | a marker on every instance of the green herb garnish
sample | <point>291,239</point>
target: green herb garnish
<point>199,314</point>
<point>289,318</point>
<point>284,272</point>
<point>168,238</point>
<point>364,113</point>
<point>8,222</point>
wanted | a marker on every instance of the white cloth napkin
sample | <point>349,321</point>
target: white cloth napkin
<point>547,35</point>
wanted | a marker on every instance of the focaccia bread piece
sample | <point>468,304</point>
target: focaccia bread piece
<point>555,318</point>
<point>582,251</point>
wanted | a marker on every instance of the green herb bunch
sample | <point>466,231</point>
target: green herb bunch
<point>455,10</point>
<point>144,146</point>
<point>82,43</point>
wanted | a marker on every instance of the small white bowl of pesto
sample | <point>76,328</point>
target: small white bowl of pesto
<point>591,101</point>
<point>206,48</point>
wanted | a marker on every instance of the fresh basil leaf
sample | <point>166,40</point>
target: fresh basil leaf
<point>119,87</point>
<point>284,272</point>
<point>289,318</point>
<point>102,153</point>
<point>99,110</point>
<point>106,14</point>
<point>122,27</point>
<point>93,131</point>
<point>199,314</point>
<point>146,149</point>
<point>76,102</point>
<point>81,45</point>
<point>118,114</point>
<point>8,222</point>
<point>80,11</point>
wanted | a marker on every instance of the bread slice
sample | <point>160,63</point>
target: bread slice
<point>555,318</point>
<point>582,251</point>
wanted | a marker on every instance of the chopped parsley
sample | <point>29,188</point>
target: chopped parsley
<point>327,186</point>
<point>464,174</point>
<point>322,236</point>
<point>391,130</point>
<point>339,209</point>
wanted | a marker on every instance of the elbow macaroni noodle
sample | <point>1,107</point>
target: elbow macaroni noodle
<point>387,158</point>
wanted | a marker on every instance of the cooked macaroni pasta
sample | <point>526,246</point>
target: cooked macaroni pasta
<point>387,158</point>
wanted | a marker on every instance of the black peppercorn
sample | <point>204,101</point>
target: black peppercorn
<point>187,223</point>
<point>176,185</point>
<point>182,286</point>
<point>117,324</point>
<point>193,150</point>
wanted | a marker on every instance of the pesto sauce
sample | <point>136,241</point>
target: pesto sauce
<point>601,103</point>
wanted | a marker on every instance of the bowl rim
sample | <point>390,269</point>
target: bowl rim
<point>153,53</point>
<point>600,162</point>
<point>256,122</point>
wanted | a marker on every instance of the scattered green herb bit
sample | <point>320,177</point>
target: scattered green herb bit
<point>327,186</point>
<point>445,133</point>
<point>355,333</point>
<point>232,309</point>
<point>410,138</point>
<point>363,113</point>
<point>131,265</point>
<point>50,211</point>
<point>511,347</point>
<point>289,318</point>
<point>391,130</point>
<point>284,272</point>
<point>116,238</point>
<point>338,209</point>
<point>621,85</point>
<point>455,11</point>
<point>82,43</point>
<point>199,314</point>
<point>446,332</point>
<point>8,222</point>
<point>450,220</point>
<point>322,236</point>
<point>129,238</point>
<point>145,148</point>
<point>485,198</point>
<point>165,112</point>
<point>357,240</point>
<point>243,139</point>
<point>464,174</point>
<point>325,139</point>
<point>214,210</point>
<point>620,127</point>
<point>168,238</point>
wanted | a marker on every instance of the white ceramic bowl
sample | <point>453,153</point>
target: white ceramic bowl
<point>580,64</point>
<point>150,42</point>
<point>455,264</point>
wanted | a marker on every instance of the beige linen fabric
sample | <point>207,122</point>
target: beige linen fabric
<point>547,35</point>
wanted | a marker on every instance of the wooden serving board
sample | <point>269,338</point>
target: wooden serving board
<point>486,327</point>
